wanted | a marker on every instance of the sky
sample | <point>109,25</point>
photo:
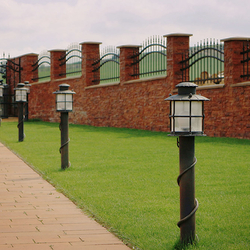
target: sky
<point>33,26</point>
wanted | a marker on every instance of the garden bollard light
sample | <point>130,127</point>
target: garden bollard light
<point>64,104</point>
<point>21,98</point>
<point>26,106</point>
<point>1,90</point>
<point>1,105</point>
<point>187,121</point>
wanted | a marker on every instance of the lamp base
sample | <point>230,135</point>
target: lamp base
<point>20,122</point>
<point>64,149</point>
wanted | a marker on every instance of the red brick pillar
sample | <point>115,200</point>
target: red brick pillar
<point>57,67</point>
<point>27,73</point>
<point>129,68</point>
<point>233,68</point>
<point>90,54</point>
<point>177,45</point>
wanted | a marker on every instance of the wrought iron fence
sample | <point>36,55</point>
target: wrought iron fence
<point>43,66</point>
<point>245,61</point>
<point>204,63</point>
<point>13,66</point>
<point>109,66</point>
<point>73,60</point>
<point>151,58</point>
<point>3,65</point>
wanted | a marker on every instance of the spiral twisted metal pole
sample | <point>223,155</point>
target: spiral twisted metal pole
<point>65,143</point>
<point>183,220</point>
<point>186,181</point>
<point>64,149</point>
<point>20,122</point>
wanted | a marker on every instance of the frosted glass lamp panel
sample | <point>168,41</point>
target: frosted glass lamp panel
<point>69,101</point>
<point>172,112</point>
<point>60,101</point>
<point>1,91</point>
<point>182,108</point>
<point>196,122</point>
<point>21,95</point>
<point>18,95</point>
<point>24,95</point>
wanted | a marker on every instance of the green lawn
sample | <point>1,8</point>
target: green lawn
<point>126,179</point>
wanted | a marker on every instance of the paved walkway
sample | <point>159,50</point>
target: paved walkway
<point>33,215</point>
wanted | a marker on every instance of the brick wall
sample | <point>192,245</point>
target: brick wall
<point>139,104</point>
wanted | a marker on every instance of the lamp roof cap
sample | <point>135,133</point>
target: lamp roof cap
<point>20,85</point>
<point>64,89</point>
<point>187,98</point>
<point>64,86</point>
<point>186,88</point>
<point>186,85</point>
<point>187,92</point>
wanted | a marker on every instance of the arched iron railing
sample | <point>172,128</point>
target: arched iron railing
<point>43,66</point>
<point>10,73</point>
<point>246,60</point>
<point>151,58</point>
<point>107,68</point>
<point>3,66</point>
<point>13,65</point>
<point>73,60</point>
<point>204,63</point>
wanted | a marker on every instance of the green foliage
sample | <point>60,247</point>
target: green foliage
<point>126,180</point>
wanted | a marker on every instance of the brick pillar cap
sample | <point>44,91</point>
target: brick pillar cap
<point>56,50</point>
<point>235,39</point>
<point>177,34</point>
<point>129,46</point>
<point>90,43</point>
<point>29,54</point>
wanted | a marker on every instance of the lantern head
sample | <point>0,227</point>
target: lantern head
<point>1,90</point>
<point>21,93</point>
<point>64,98</point>
<point>187,111</point>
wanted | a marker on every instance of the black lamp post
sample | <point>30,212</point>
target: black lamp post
<point>1,90</point>
<point>1,105</point>
<point>64,104</point>
<point>26,106</point>
<point>5,100</point>
<point>21,98</point>
<point>187,121</point>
